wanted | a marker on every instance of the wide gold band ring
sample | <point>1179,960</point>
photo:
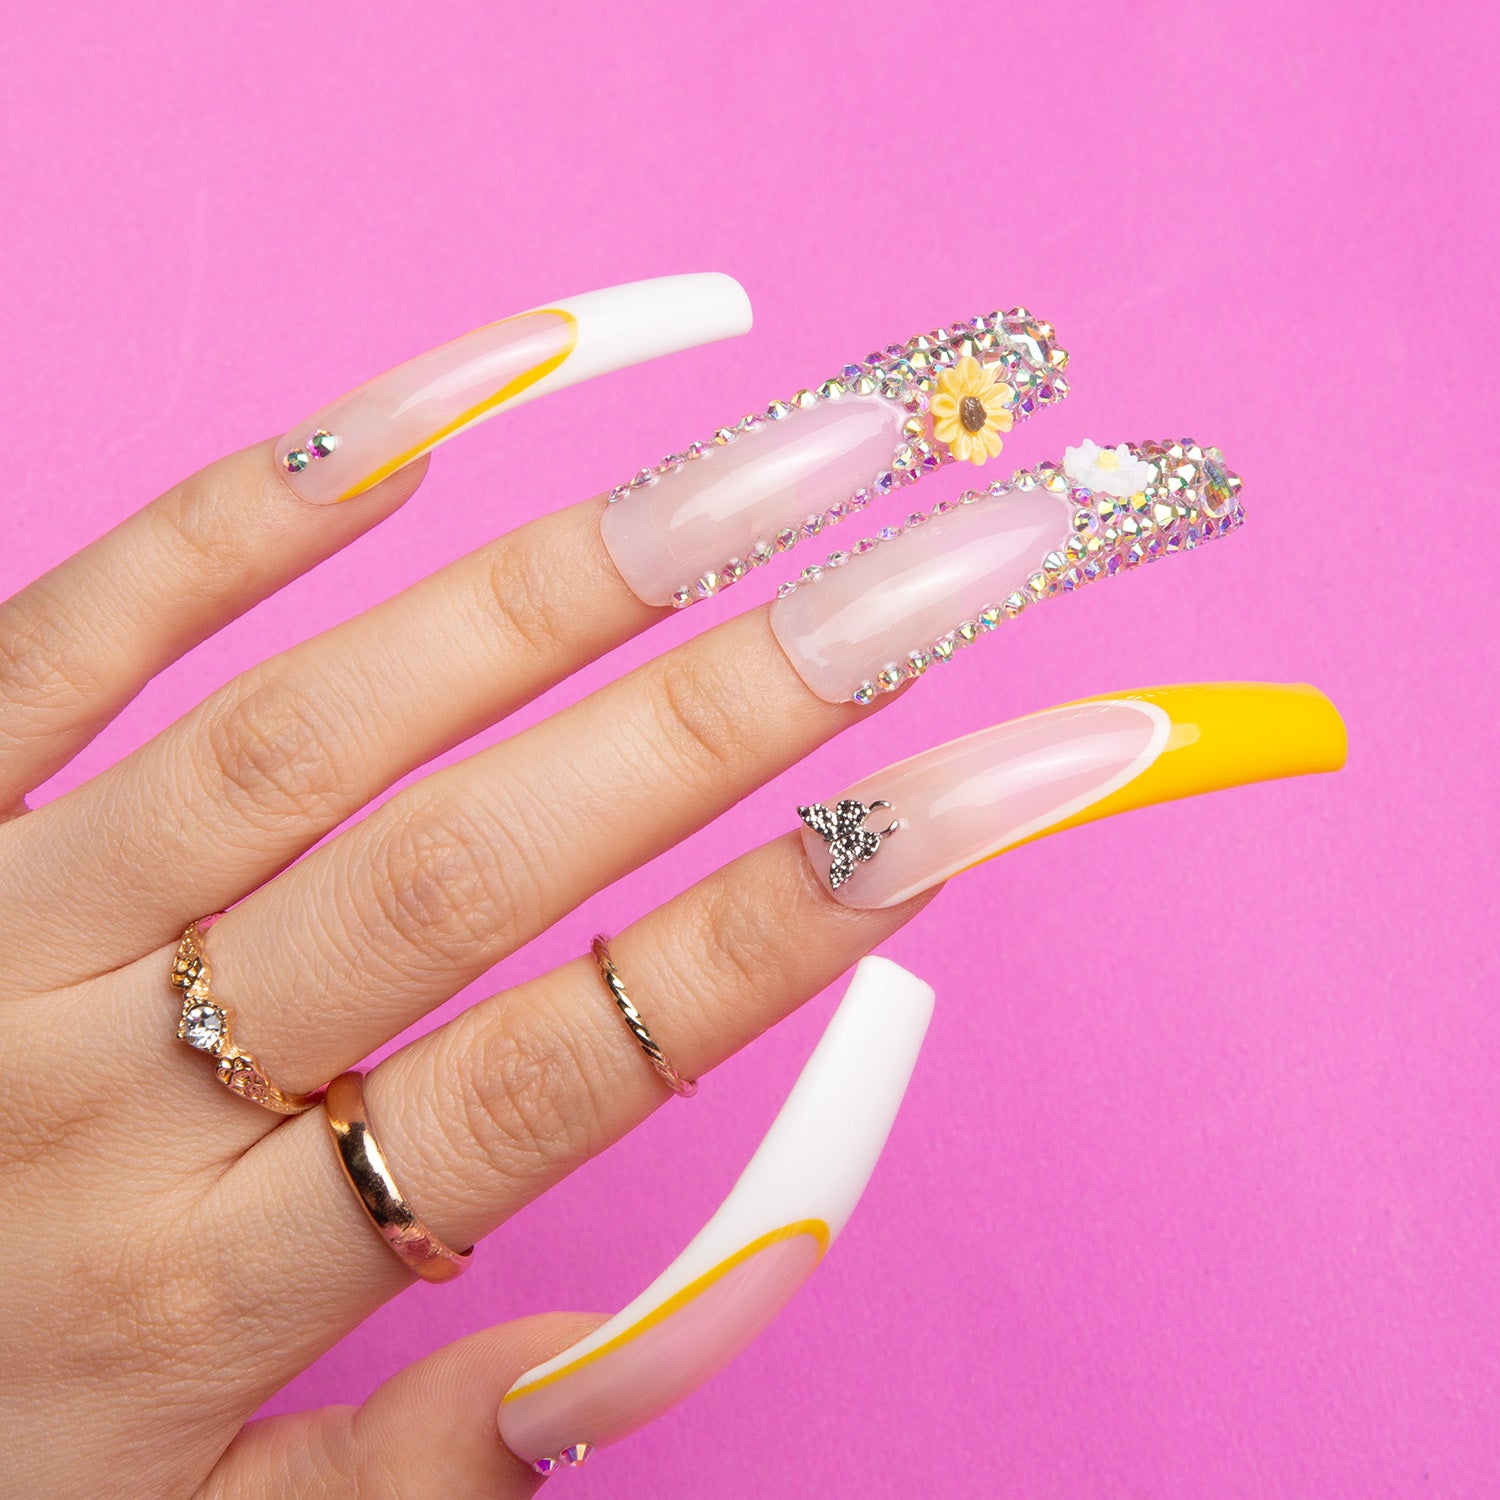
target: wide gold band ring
<point>208,1025</point>
<point>395,1221</point>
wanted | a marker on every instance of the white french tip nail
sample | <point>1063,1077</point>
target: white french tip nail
<point>767,1238</point>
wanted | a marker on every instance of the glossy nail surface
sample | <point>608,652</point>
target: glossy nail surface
<point>905,601</point>
<point>976,797</point>
<point>764,1242</point>
<point>703,518</point>
<point>369,434</point>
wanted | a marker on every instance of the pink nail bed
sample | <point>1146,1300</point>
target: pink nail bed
<point>379,428</point>
<point>703,518</point>
<point>872,621</point>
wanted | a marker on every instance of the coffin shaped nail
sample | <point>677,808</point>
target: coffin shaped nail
<point>765,1240</point>
<point>383,425</point>
<point>874,617</point>
<point>703,518</point>
<point>964,802</point>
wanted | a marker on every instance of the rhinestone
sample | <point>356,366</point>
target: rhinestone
<point>681,598</point>
<point>295,461</point>
<point>1085,522</point>
<point>735,569</point>
<point>547,1465</point>
<point>1054,562</point>
<point>1013,604</point>
<point>968,632</point>
<point>836,512</point>
<point>1025,480</point>
<point>202,1027</point>
<point>989,617</point>
<point>831,390</point>
<point>864,545</point>
<point>884,483</point>
<point>618,493</point>
<point>913,428</point>
<point>811,574</point>
<point>708,585</point>
<point>1037,583</point>
<point>777,410</point>
<point>643,480</point>
<point>697,450</point>
<point>1163,514</point>
<point>865,693</point>
<point>943,650</point>
<point>812,526</point>
<point>1218,491</point>
<point>918,662</point>
<point>804,399</point>
<point>892,676</point>
<point>786,590</point>
<point>575,1454</point>
<point>785,538</point>
<point>761,553</point>
<point>322,443</point>
<point>837,559</point>
<point>888,533</point>
<point>753,423</point>
<point>724,436</point>
<point>859,500</point>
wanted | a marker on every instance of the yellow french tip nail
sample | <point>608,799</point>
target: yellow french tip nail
<point>965,802</point>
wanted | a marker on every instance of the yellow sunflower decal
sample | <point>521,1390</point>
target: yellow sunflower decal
<point>970,411</point>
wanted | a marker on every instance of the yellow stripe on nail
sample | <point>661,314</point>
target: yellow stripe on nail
<point>521,382</point>
<point>815,1228</point>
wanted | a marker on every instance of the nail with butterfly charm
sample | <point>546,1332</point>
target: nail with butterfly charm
<point>973,798</point>
<point>849,842</point>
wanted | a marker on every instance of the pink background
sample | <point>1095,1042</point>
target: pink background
<point>1195,1192</point>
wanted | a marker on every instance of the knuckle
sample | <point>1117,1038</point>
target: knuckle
<point>699,714</point>
<point>448,880</point>
<point>267,752</point>
<point>188,527</point>
<point>42,660</point>
<point>517,594</point>
<point>519,1102</point>
<point>742,952</point>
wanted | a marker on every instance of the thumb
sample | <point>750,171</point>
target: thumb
<point>428,1431</point>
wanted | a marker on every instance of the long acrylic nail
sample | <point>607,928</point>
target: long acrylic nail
<point>745,1264</point>
<point>703,518</point>
<point>876,616</point>
<point>382,426</point>
<point>964,802</point>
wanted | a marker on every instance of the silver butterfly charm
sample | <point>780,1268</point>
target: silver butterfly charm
<point>850,843</point>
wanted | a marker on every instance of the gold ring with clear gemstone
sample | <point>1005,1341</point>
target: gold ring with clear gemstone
<point>207,1025</point>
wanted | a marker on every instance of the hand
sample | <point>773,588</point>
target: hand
<point>174,1254</point>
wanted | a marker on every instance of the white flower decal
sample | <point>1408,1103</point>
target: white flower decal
<point>1109,471</point>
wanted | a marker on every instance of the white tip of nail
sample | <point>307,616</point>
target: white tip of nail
<point>641,320</point>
